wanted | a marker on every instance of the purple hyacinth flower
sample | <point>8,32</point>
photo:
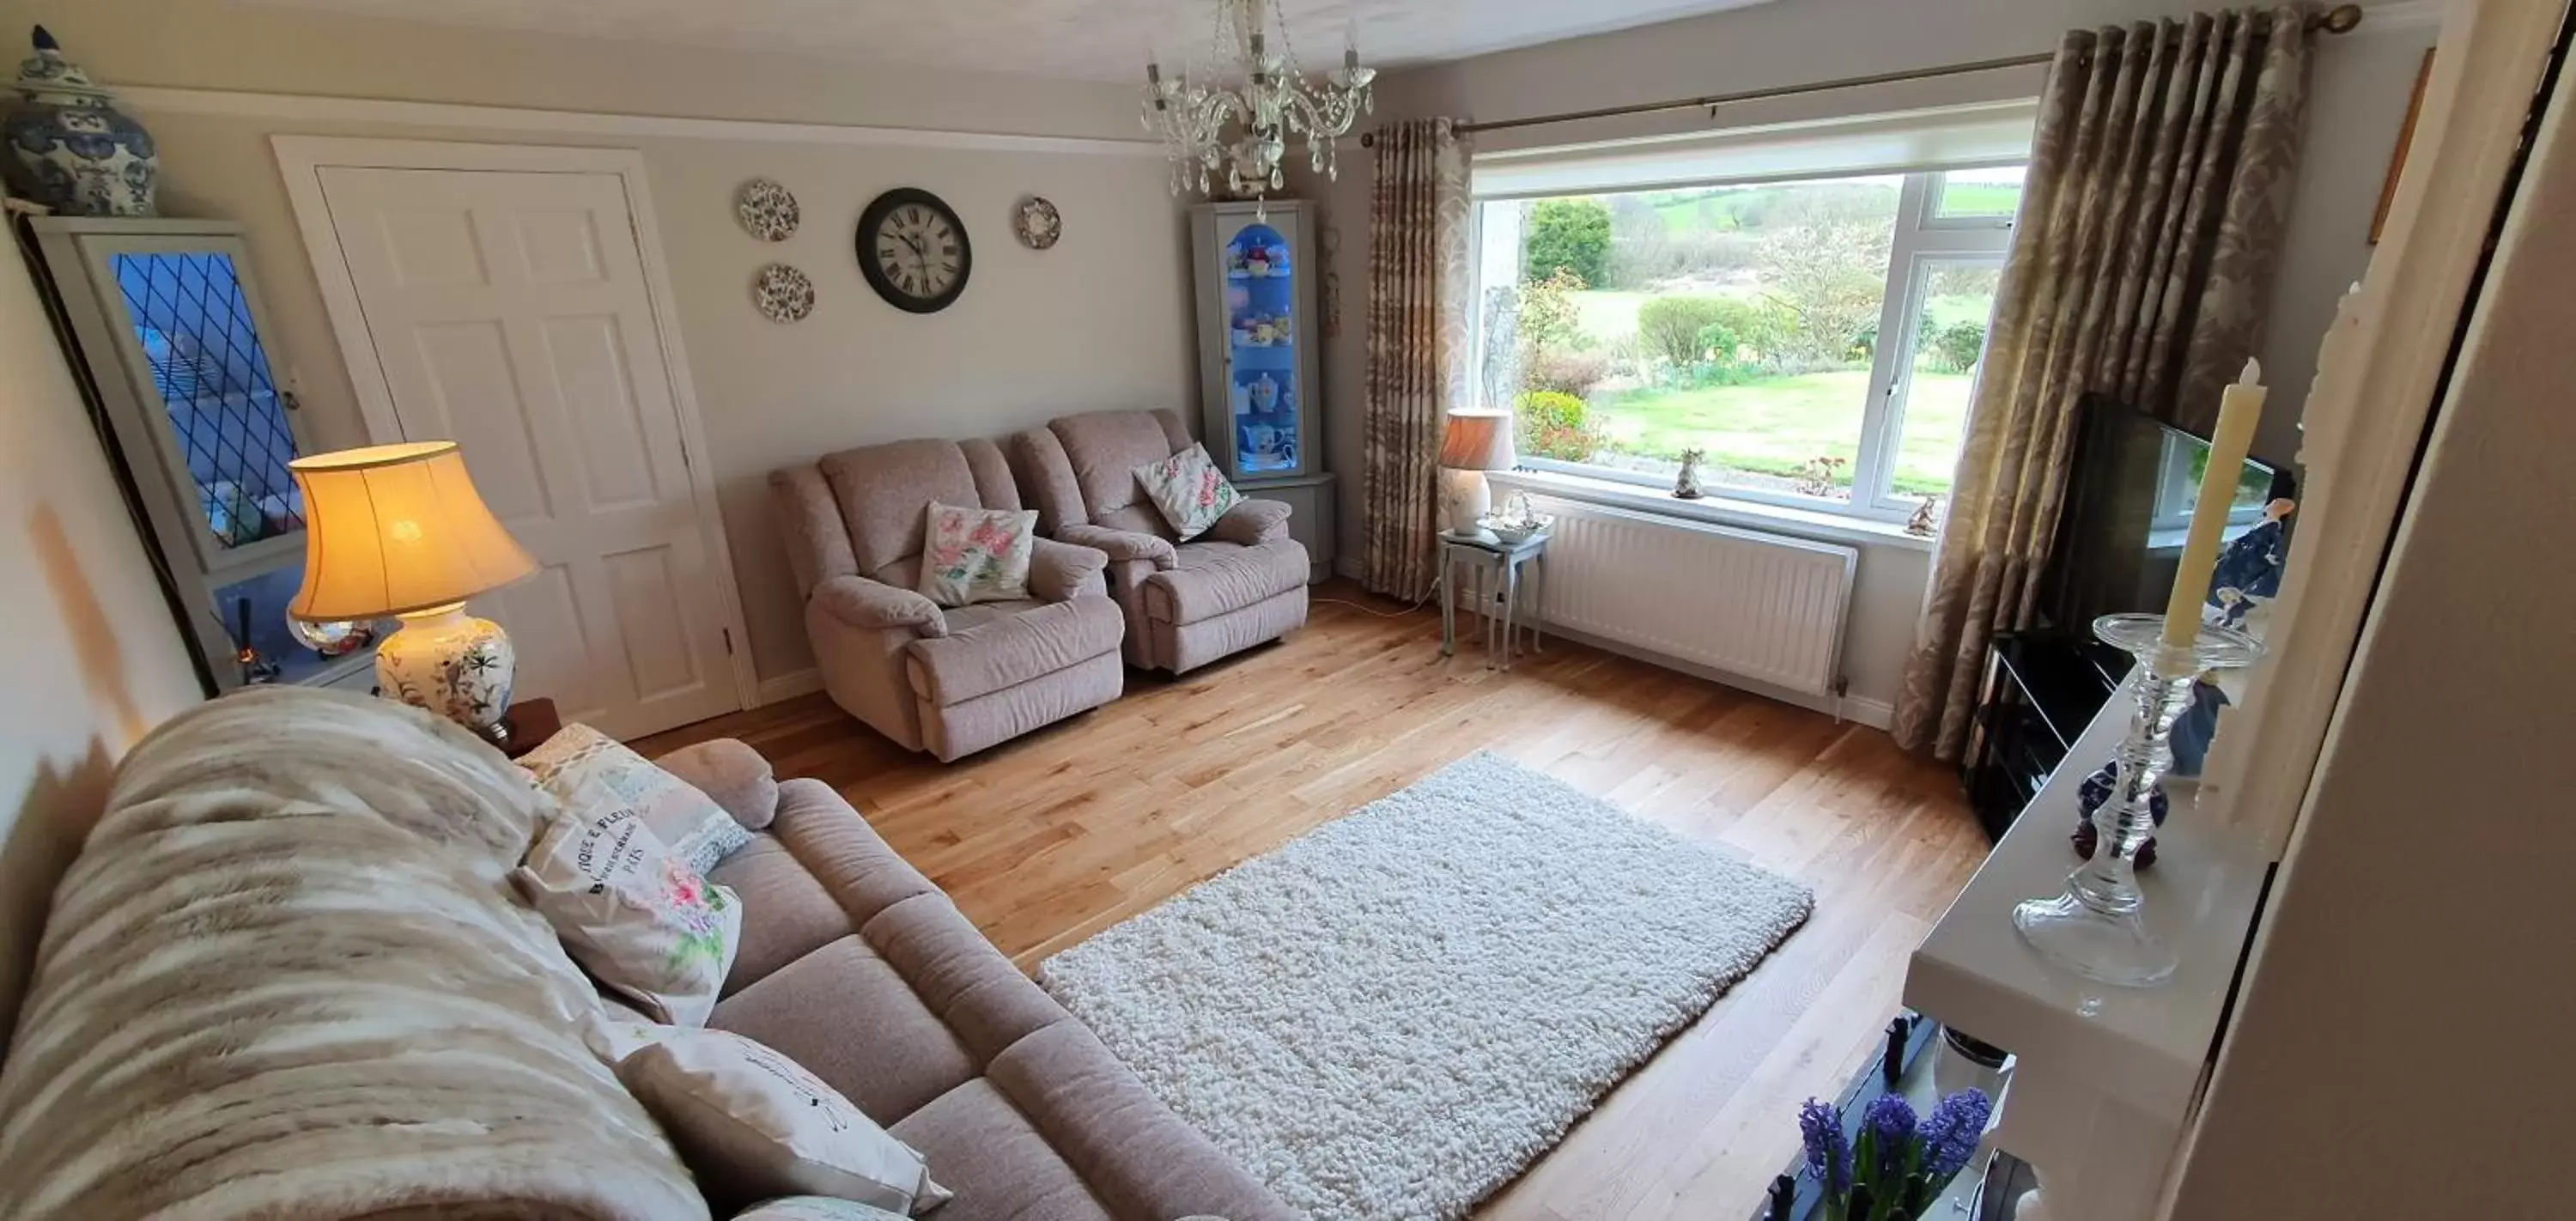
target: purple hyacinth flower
<point>1893,1122</point>
<point>1950,1135</point>
<point>1820,1129</point>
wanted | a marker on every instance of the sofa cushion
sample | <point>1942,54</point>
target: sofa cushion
<point>958,975</point>
<point>844,853</point>
<point>882,490</point>
<point>848,1016</point>
<point>633,913</point>
<point>754,1123</point>
<point>1106,447</point>
<point>976,555</point>
<point>786,914</point>
<point>1214,578</point>
<point>1137,1156</point>
<point>1001,1168</point>
<point>1007,651</point>
<point>814,1208</point>
<point>589,773</point>
<point>733,774</point>
<point>1188,490</point>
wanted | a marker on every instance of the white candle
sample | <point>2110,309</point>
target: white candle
<point>2238,410</point>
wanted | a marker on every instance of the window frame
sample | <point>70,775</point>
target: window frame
<point>1921,241</point>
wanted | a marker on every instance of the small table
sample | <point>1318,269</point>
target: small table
<point>1488,556</point>
<point>527,725</point>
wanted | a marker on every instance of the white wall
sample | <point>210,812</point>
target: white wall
<point>2398,1045</point>
<point>2358,97</point>
<point>93,658</point>
<point>1100,321</point>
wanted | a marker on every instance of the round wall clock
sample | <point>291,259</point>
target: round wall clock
<point>913,250</point>
<point>766,209</point>
<point>1037,223</point>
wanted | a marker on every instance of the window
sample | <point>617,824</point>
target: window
<point>1814,339</point>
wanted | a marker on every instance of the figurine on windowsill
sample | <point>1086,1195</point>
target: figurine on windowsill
<point>1926,520</point>
<point>1686,484</point>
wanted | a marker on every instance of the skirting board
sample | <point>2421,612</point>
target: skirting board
<point>790,685</point>
<point>1877,714</point>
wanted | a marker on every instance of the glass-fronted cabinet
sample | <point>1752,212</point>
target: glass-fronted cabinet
<point>1257,314</point>
<point>167,321</point>
<point>1261,404</point>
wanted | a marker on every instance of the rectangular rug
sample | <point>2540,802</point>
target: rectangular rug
<point>1394,1014</point>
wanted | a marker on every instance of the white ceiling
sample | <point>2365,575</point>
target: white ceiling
<point>1066,39</point>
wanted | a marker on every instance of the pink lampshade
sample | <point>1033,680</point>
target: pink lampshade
<point>1477,440</point>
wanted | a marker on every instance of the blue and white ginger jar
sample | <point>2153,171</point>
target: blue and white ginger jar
<point>70,149</point>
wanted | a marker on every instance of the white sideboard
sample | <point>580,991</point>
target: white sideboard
<point>2105,1078</point>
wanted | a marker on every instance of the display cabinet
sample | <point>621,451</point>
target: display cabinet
<point>166,323</point>
<point>1261,403</point>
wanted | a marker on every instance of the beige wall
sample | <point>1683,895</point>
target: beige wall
<point>92,657</point>
<point>1100,321</point>
<point>2358,97</point>
<point>2398,1044</point>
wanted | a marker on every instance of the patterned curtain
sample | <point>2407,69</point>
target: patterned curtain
<point>1419,283</point>
<point>2150,221</point>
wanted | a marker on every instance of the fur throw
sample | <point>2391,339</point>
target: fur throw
<point>286,979</point>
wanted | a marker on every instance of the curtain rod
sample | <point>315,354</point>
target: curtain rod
<point>2341,19</point>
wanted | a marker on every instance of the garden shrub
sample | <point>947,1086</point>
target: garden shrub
<point>1956,348</point>
<point>1567,235</point>
<point>1670,326</point>
<point>1562,371</point>
<point>1551,424</point>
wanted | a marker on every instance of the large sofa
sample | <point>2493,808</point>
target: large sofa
<point>287,978</point>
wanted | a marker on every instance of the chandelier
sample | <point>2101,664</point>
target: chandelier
<point>1239,123</point>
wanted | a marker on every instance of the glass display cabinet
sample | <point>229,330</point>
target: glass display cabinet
<point>167,325</point>
<point>1261,403</point>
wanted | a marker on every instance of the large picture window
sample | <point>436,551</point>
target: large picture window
<point>1815,340</point>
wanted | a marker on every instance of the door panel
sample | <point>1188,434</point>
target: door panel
<point>509,312</point>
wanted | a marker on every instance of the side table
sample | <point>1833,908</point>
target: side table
<point>527,725</point>
<point>1490,558</point>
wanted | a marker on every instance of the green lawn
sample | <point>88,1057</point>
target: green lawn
<point>1775,425</point>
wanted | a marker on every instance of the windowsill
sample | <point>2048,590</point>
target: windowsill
<point>1725,511</point>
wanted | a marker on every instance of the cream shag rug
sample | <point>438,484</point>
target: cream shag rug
<point>1392,1015</point>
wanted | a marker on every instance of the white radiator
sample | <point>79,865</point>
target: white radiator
<point>1752,605</point>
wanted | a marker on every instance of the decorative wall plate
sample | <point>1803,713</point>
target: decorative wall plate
<point>767,209</point>
<point>782,293</point>
<point>1037,223</point>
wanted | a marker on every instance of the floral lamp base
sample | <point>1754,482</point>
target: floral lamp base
<point>450,663</point>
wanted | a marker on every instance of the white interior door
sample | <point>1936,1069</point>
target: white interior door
<point>509,311</point>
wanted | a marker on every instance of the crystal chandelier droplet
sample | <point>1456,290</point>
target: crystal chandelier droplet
<point>1230,117</point>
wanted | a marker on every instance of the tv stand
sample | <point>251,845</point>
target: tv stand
<point>2039,692</point>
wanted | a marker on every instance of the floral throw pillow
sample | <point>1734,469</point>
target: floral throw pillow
<point>1189,490</point>
<point>590,773</point>
<point>976,555</point>
<point>632,912</point>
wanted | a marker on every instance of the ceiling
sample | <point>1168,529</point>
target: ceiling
<point>1066,39</point>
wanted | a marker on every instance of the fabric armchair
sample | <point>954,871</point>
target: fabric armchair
<point>1185,603</point>
<point>946,680</point>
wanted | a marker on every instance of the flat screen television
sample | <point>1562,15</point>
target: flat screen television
<point>2128,507</point>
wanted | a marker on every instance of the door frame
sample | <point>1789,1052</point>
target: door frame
<point>301,160</point>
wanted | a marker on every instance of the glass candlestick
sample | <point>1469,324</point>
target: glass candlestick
<point>2095,928</point>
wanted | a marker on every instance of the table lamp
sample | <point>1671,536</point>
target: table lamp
<point>1475,442</point>
<point>398,530</point>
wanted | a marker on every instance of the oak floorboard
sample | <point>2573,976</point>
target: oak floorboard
<point>1045,841</point>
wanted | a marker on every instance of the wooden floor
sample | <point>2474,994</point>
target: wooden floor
<point>1049,839</point>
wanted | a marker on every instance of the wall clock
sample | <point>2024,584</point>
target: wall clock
<point>913,250</point>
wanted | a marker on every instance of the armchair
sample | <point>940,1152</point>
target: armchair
<point>1185,603</point>
<point>950,681</point>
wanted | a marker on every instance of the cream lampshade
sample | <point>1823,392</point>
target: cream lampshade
<point>1475,441</point>
<point>398,530</point>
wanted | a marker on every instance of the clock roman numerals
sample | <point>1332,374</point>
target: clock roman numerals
<point>913,250</point>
